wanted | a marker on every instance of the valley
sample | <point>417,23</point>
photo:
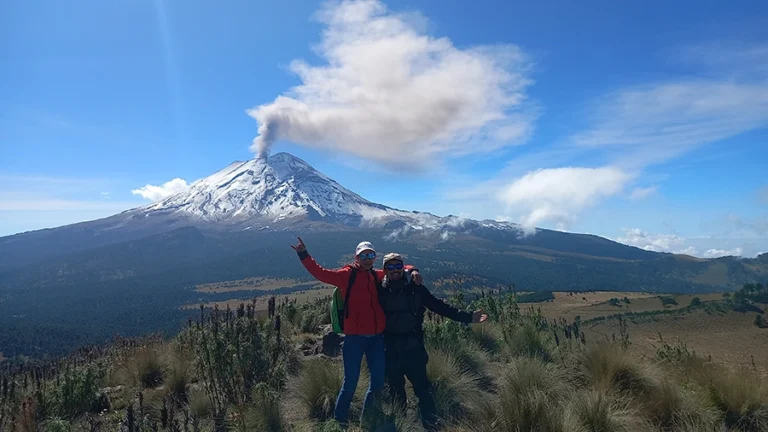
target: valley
<point>226,238</point>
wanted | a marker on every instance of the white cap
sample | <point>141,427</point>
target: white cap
<point>365,245</point>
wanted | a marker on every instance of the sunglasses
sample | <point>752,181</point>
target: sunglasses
<point>398,266</point>
<point>369,255</point>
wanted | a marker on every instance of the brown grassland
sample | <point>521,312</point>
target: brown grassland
<point>581,362</point>
<point>256,283</point>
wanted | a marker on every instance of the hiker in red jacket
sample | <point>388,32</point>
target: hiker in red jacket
<point>364,322</point>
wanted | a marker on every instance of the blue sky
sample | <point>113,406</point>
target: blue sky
<point>643,122</point>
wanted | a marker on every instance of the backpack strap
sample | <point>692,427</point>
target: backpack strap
<point>375,278</point>
<point>352,277</point>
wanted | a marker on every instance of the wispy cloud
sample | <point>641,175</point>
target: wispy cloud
<point>388,84</point>
<point>762,194</point>
<point>653,123</point>
<point>157,193</point>
<point>735,225</point>
<point>643,192</point>
<point>640,126</point>
<point>51,205</point>
<point>559,194</point>
<point>29,193</point>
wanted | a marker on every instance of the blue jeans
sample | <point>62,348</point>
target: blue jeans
<point>352,356</point>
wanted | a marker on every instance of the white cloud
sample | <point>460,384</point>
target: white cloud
<point>642,192</point>
<point>655,242</point>
<point>653,123</point>
<point>157,193</point>
<point>714,253</point>
<point>558,194</point>
<point>106,195</point>
<point>389,88</point>
<point>690,250</point>
<point>712,247</point>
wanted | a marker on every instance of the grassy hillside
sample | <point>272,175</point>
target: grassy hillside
<point>234,370</point>
<point>132,288</point>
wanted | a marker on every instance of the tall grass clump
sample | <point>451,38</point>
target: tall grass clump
<point>264,412</point>
<point>741,397</point>
<point>318,386</point>
<point>488,336</point>
<point>669,407</point>
<point>146,367</point>
<point>609,367</point>
<point>455,391</point>
<point>599,410</point>
<point>531,396</point>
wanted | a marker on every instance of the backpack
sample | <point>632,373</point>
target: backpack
<point>339,311</point>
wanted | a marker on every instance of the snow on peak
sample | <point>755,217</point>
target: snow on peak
<point>283,188</point>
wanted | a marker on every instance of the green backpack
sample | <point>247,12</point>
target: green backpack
<point>339,311</point>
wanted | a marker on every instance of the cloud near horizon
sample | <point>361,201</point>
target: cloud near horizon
<point>558,195</point>
<point>156,193</point>
<point>671,243</point>
<point>387,84</point>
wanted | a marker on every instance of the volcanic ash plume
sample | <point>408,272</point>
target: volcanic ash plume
<point>388,90</point>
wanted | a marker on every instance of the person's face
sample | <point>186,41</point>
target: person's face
<point>365,259</point>
<point>394,269</point>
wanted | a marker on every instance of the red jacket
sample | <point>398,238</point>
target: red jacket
<point>366,317</point>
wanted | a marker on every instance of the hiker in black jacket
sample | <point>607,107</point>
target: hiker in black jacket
<point>404,304</point>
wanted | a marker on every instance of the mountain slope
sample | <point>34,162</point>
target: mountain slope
<point>283,191</point>
<point>135,269</point>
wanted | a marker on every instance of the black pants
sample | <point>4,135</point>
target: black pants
<point>411,363</point>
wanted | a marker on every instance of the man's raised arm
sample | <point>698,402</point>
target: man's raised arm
<point>337,278</point>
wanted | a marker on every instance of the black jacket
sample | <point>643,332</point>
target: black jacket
<point>404,304</point>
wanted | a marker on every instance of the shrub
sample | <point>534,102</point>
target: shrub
<point>527,340</point>
<point>695,302</point>
<point>318,386</point>
<point>76,393</point>
<point>760,321</point>
<point>668,301</point>
<point>56,425</point>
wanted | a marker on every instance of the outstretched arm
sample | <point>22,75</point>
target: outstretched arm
<point>337,278</point>
<point>442,308</point>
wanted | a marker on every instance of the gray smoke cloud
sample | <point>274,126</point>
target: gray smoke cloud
<point>389,88</point>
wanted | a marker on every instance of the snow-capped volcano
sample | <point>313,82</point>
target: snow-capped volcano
<point>282,187</point>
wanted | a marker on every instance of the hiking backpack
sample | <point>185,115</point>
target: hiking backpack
<point>339,311</point>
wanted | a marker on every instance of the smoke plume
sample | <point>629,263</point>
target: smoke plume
<point>389,90</point>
